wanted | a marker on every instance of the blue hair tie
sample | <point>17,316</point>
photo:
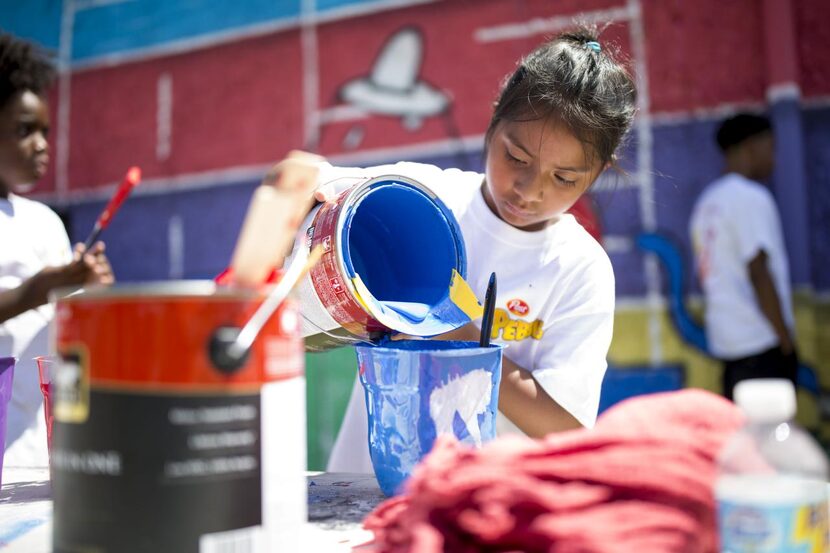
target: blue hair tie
<point>594,46</point>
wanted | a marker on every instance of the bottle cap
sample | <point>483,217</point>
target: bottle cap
<point>766,399</point>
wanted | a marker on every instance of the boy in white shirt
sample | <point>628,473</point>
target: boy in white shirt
<point>742,261</point>
<point>35,255</point>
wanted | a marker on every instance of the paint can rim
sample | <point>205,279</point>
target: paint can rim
<point>157,289</point>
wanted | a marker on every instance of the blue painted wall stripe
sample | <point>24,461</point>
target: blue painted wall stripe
<point>790,181</point>
<point>37,20</point>
<point>136,25</point>
<point>118,28</point>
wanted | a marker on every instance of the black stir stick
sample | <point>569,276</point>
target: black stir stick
<point>489,309</point>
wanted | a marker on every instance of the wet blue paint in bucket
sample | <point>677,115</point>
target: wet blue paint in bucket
<point>418,389</point>
<point>393,255</point>
<point>6,380</point>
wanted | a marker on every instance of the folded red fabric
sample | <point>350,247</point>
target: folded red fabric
<point>640,481</point>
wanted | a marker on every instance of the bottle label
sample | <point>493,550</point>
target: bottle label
<point>773,528</point>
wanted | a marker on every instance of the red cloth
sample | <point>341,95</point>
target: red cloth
<point>641,481</point>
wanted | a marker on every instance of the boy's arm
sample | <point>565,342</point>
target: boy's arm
<point>768,299</point>
<point>91,267</point>
<point>16,301</point>
<point>32,293</point>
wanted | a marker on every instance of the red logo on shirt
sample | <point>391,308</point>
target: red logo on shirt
<point>518,307</point>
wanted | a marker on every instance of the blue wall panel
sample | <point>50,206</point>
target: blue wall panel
<point>817,160</point>
<point>126,26</point>
<point>37,20</point>
<point>686,159</point>
<point>137,239</point>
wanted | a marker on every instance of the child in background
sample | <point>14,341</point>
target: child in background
<point>35,255</point>
<point>741,259</point>
<point>556,127</point>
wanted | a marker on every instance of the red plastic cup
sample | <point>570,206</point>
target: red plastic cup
<point>45,368</point>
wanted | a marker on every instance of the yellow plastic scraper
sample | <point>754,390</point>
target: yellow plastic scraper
<point>464,298</point>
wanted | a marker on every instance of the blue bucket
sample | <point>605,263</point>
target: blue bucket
<point>418,389</point>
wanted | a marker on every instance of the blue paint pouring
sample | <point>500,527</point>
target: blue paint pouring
<point>394,261</point>
<point>418,389</point>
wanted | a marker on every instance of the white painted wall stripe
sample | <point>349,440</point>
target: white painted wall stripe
<point>311,75</point>
<point>165,185</point>
<point>783,91</point>
<point>81,5</point>
<point>164,116</point>
<point>64,100</point>
<point>617,243</point>
<point>716,113</point>
<point>645,176</point>
<point>344,113</point>
<point>538,25</point>
<point>175,247</point>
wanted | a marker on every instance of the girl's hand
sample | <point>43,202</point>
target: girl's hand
<point>325,193</point>
<point>294,171</point>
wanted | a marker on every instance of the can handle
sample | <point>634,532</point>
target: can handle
<point>229,346</point>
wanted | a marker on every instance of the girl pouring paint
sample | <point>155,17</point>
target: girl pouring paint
<point>556,126</point>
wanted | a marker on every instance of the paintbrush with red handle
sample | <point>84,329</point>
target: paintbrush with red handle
<point>130,181</point>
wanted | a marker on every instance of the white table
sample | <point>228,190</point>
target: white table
<point>337,504</point>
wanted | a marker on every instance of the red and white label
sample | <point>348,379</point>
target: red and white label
<point>518,307</point>
<point>329,284</point>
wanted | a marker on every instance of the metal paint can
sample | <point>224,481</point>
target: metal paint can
<point>387,239</point>
<point>154,448</point>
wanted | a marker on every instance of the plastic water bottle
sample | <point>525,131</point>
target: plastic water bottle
<point>772,490</point>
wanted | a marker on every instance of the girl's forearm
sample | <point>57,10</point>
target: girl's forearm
<point>523,400</point>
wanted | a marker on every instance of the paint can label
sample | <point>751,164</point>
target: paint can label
<point>116,485</point>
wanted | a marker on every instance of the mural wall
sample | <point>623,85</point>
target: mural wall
<point>204,96</point>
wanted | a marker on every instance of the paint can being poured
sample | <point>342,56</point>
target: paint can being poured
<point>394,261</point>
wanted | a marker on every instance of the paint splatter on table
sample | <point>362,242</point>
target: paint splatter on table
<point>337,505</point>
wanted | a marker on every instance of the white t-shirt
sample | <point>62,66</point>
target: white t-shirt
<point>555,300</point>
<point>733,220</point>
<point>32,237</point>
